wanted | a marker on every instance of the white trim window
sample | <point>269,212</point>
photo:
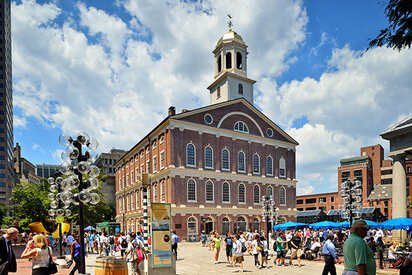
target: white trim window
<point>256,194</point>
<point>256,163</point>
<point>190,155</point>
<point>162,191</point>
<point>282,196</point>
<point>209,191</point>
<point>131,202</point>
<point>137,199</point>
<point>161,139</point>
<point>127,180</point>
<point>241,162</point>
<point>136,174</point>
<point>208,157</point>
<point>162,159</point>
<point>269,191</point>
<point>191,191</point>
<point>241,193</point>
<point>127,203</point>
<point>154,145</point>
<point>269,166</point>
<point>155,199</point>
<point>147,166</point>
<point>141,169</point>
<point>154,164</point>
<point>282,168</point>
<point>240,126</point>
<point>131,177</point>
<point>226,192</point>
<point>225,160</point>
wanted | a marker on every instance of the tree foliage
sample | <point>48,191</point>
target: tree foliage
<point>32,204</point>
<point>398,34</point>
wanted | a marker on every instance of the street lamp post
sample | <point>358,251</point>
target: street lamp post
<point>351,193</point>
<point>80,179</point>
<point>268,207</point>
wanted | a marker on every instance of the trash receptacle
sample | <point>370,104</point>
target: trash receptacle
<point>110,266</point>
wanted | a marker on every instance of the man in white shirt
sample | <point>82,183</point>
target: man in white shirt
<point>237,254</point>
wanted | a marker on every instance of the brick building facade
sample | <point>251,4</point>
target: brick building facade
<point>213,164</point>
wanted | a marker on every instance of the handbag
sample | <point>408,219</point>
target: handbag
<point>52,266</point>
<point>140,256</point>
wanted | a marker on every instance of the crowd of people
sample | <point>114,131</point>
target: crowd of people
<point>328,245</point>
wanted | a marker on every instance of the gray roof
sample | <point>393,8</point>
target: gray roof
<point>353,160</point>
<point>309,213</point>
<point>399,128</point>
<point>381,192</point>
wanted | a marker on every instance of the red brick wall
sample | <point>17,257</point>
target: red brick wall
<point>375,153</point>
<point>328,204</point>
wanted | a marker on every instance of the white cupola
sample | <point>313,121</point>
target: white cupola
<point>231,80</point>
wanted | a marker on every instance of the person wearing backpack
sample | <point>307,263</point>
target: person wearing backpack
<point>112,247</point>
<point>123,244</point>
<point>134,254</point>
<point>229,246</point>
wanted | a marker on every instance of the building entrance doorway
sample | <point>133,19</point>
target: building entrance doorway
<point>192,233</point>
<point>225,226</point>
<point>208,225</point>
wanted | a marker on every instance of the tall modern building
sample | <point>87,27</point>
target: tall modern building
<point>47,170</point>
<point>7,179</point>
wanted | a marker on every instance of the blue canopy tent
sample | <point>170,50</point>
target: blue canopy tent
<point>90,228</point>
<point>325,225</point>
<point>289,225</point>
<point>397,223</point>
<point>371,224</point>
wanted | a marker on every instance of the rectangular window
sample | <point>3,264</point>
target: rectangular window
<point>147,166</point>
<point>137,174</point>
<point>282,172</point>
<point>2,184</point>
<point>299,201</point>
<point>311,200</point>
<point>141,168</point>
<point>322,200</point>
<point>345,176</point>
<point>162,160</point>
<point>357,174</point>
<point>154,164</point>
<point>131,177</point>
<point>332,199</point>
<point>162,192</point>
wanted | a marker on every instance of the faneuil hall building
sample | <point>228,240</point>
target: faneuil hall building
<point>212,164</point>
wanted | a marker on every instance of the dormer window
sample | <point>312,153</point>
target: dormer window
<point>240,126</point>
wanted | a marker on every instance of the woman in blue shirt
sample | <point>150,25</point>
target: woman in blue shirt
<point>75,254</point>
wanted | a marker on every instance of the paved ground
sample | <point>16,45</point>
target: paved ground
<point>196,260</point>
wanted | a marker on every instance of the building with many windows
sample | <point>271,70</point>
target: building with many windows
<point>107,163</point>
<point>213,164</point>
<point>7,176</point>
<point>47,170</point>
<point>25,171</point>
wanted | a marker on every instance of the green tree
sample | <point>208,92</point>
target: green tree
<point>31,203</point>
<point>398,34</point>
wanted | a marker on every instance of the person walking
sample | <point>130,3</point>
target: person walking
<point>229,247</point>
<point>265,251</point>
<point>280,249</point>
<point>175,240</point>
<point>358,257</point>
<point>380,248</point>
<point>75,254</point>
<point>237,254</point>
<point>256,248</point>
<point>216,240</point>
<point>40,254</point>
<point>123,244</point>
<point>330,256</point>
<point>7,258</point>
<point>296,246</point>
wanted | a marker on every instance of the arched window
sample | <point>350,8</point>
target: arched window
<point>256,194</point>
<point>229,60</point>
<point>226,192</point>
<point>256,225</point>
<point>225,226</point>
<point>241,166</point>
<point>219,63</point>
<point>269,191</point>
<point>239,64</point>
<point>256,164</point>
<point>282,196</point>
<point>225,160</point>
<point>241,224</point>
<point>209,191</point>
<point>240,126</point>
<point>269,166</point>
<point>240,89</point>
<point>155,192</point>
<point>282,168</point>
<point>191,190</point>
<point>208,157</point>
<point>241,193</point>
<point>192,229</point>
<point>190,155</point>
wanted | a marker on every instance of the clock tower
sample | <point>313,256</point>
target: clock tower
<point>230,79</point>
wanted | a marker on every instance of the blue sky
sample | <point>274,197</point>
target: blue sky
<point>112,68</point>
